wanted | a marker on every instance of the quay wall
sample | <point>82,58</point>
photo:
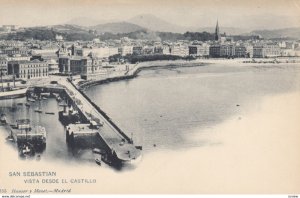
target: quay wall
<point>103,114</point>
<point>13,94</point>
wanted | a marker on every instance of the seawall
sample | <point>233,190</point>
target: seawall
<point>137,70</point>
<point>13,94</point>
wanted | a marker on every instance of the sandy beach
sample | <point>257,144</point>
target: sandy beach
<point>224,61</point>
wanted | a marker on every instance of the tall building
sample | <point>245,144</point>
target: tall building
<point>179,50</point>
<point>217,32</point>
<point>28,69</point>
<point>199,50</point>
<point>222,50</point>
<point>266,50</point>
<point>92,68</point>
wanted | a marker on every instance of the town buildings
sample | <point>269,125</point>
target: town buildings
<point>179,50</point>
<point>9,28</point>
<point>125,50</point>
<point>92,68</point>
<point>267,50</point>
<point>201,50</point>
<point>29,59</point>
<point>27,69</point>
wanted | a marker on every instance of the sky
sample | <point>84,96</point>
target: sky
<point>266,14</point>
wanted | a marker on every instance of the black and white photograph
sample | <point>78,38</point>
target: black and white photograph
<point>149,97</point>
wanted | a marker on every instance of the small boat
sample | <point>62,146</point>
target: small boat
<point>38,111</point>
<point>34,96</point>
<point>31,100</point>
<point>10,138</point>
<point>46,95</point>
<point>27,104</point>
<point>62,104</point>
<point>26,151</point>
<point>98,153</point>
<point>106,159</point>
<point>51,113</point>
<point>29,140</point>
<point>44,98</point>
<point>98,161</point>
<point>58,98</point>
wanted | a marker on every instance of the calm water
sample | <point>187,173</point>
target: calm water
<point>56,146</point>
<point>164,107</point>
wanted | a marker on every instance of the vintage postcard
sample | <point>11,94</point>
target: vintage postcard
<point>149,97</point>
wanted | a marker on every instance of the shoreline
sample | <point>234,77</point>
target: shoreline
<point>165,64</point>
<point>136,71</point>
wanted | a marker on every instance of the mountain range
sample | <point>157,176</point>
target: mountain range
<point>279,33</point>
<point>152,23</point>
<point>141,27</point>
<point>117,27</point>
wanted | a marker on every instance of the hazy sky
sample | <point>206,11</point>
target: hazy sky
<point>267,14</point>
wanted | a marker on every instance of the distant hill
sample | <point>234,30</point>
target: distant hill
<point>154,23</point>
<point>227,30</point>
<point>118,27</point>
<point>69,33</point>
<point>68,28</point>
<point>36,33</point>
<point>279,33</point>
<point>125,29</point>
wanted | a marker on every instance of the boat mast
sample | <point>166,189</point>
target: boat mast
<point>2,80</point>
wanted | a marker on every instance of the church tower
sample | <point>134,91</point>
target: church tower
<point>217,32</point>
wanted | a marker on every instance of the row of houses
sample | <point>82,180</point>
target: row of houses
<point>215,50</point>
<point>206,49</point>
<point>16,60</point>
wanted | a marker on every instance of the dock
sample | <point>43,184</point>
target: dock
<point>117,143</point>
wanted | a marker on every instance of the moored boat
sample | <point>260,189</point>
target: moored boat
<point>31,100</point>
<point>30,140</point>
<point>38,110</point>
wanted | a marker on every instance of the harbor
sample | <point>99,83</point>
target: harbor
<point>86,125</point>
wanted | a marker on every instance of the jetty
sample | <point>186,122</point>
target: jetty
<point>98,126</point>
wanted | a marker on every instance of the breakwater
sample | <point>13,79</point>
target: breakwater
<point>102,113</point>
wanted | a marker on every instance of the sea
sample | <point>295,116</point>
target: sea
<point>161,108</point>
